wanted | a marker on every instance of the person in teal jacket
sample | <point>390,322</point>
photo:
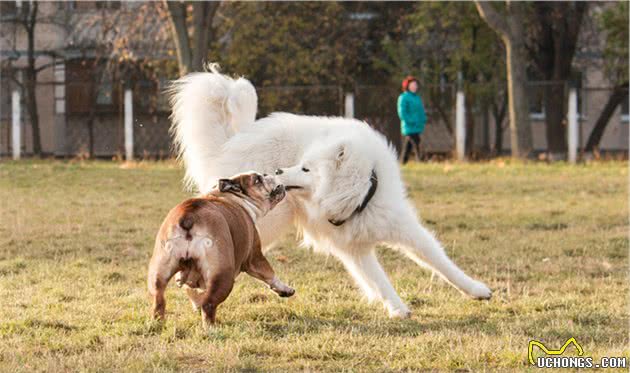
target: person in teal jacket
<point>412,118</point>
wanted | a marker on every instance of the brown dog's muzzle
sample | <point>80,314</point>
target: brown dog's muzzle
<point>277,194</point>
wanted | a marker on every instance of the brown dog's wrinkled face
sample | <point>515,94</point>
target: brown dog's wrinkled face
<point>264,191</point>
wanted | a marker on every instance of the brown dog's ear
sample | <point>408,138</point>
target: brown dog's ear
<point>228,185</point>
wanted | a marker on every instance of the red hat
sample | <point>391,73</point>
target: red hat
<point>408,79</point>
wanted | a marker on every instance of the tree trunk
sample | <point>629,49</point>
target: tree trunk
<point>470,125</point>
<point>619,94</point>
<point>179,32</point>
<point>518,103</point>
<point>498,137</point>
<point>31,107</point>
<point>486,128</point>
<point>92,116</point>
<point>31,78</point>
<point>499,115</point>
<point>510,29</point>
<point>557,28</point>
<point>192,49</point>
<point>202,32</point>
<point>555,110</point>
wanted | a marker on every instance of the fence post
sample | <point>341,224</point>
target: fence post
<point>128,125</point>
<point>460,126</point>
<point>573,125</point>
<point>349,105</point>
<point>16,126</point>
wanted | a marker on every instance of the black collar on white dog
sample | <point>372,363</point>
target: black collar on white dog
<point>363,205</point>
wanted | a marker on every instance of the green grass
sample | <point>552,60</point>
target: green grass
<point>551,240</point>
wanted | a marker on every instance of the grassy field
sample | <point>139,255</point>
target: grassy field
<point>551,240</point>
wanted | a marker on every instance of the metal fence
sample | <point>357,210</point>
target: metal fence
<point>74,119</point>
<point>376,105</point>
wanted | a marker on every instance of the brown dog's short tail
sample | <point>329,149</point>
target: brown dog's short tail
<point>186,222</point>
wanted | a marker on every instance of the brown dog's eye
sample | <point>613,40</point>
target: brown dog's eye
<point>258,179</point>
<point>305,169</point>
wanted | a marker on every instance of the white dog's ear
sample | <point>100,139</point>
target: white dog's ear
<point>341,154</point>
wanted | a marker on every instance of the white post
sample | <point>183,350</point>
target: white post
<point>16,129</point>
<point>460,126</point>
<point>573,125</point>
<point>128,125</point>
<point>349,105</point>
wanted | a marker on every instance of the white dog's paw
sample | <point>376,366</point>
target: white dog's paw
<point>399,313</point>
<point>479,290</point>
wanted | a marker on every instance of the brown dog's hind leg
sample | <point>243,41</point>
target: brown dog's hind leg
<point>259,268</point>
<point>218,287</point>
<point>161,269</point>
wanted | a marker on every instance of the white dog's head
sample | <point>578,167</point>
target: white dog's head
<point>332,178</point>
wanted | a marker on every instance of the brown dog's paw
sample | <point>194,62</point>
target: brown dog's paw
<point>285,293</point>
<point>281,288</point>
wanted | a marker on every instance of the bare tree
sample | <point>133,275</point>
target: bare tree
<point>191,40</point>
<point>26,18</point>
<point>509,25</point>
<point>620,93</point>
<point>189,31</point>
<point>614,21</point>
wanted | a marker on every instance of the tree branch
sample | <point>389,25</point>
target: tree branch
<point>47,65</point>
<point>495,20</point>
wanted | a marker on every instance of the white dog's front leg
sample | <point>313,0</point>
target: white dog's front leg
<point>422,247</point>
<point>373,281</point>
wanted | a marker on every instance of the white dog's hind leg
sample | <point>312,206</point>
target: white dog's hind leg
<point>373,281</point>
<point>422,247</point>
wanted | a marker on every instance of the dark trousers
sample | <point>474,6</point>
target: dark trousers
<point>410,142</point>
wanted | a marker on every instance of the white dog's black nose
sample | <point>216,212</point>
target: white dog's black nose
<point>279,171</point>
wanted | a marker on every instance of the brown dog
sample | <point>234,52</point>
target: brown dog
<point>211,240</point>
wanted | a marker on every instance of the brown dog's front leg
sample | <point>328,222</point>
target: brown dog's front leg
<point>259,268</point>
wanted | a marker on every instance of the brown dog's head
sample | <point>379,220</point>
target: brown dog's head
<point>263,191</point>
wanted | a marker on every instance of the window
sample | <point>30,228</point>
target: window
<point>86,88</point>
<point>105,91</point>
<point>8,10</point>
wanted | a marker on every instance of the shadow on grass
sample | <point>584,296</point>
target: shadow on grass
<point>305,325</point>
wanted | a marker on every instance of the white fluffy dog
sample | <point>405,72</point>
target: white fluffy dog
<point>348,195</point>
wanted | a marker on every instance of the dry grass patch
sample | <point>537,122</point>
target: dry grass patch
<point>551,240</point>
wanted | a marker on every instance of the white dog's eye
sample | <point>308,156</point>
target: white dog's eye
<point>305,169</point>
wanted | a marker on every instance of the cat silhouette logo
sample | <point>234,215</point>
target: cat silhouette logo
<point>547,351</point>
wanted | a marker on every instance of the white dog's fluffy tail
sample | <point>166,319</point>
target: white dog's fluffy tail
<point>208,108</point>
